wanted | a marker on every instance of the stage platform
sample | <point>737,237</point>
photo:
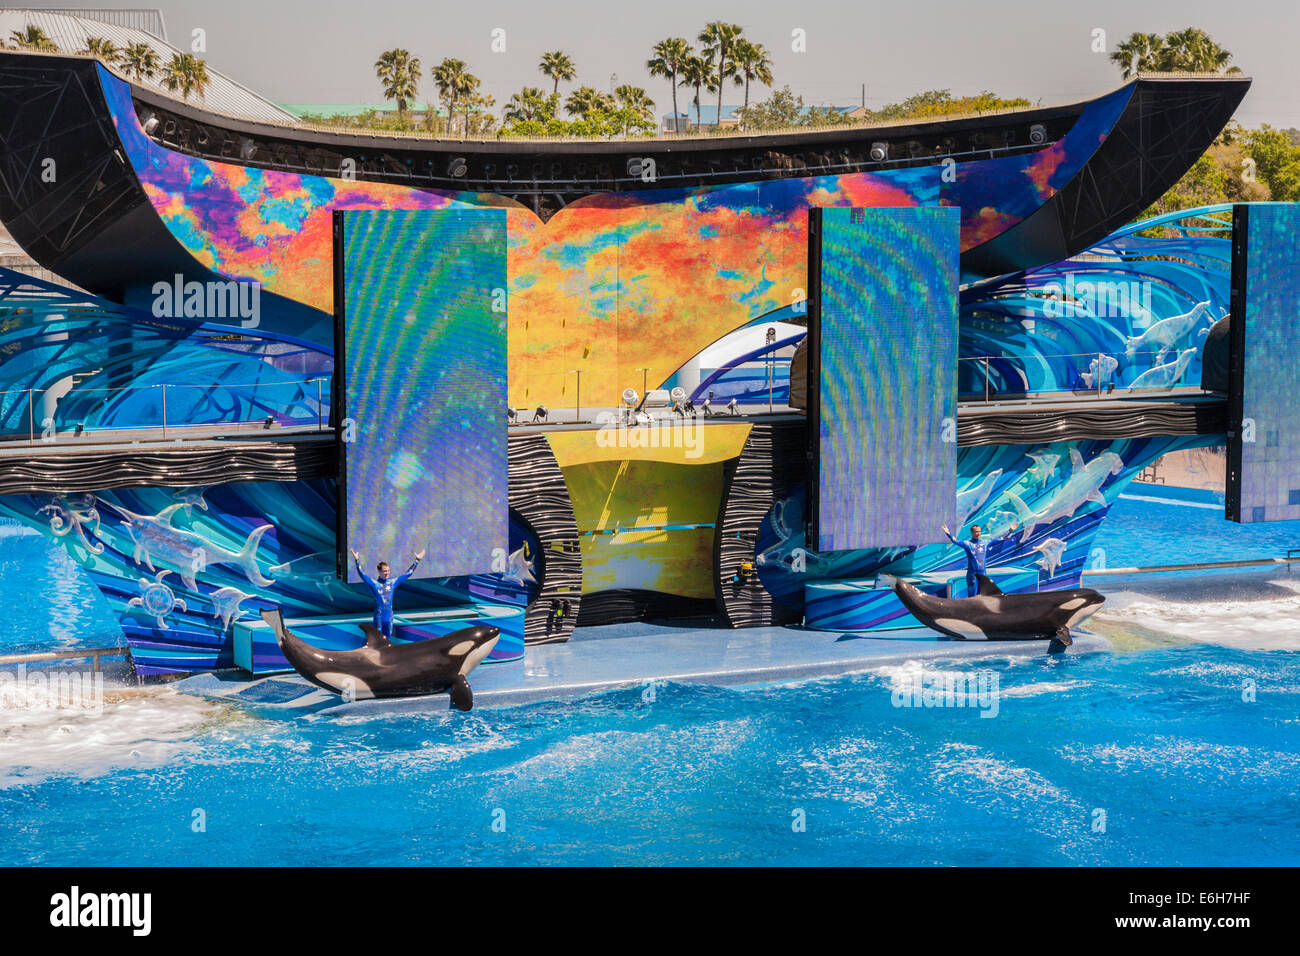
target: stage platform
<point>630,655</point>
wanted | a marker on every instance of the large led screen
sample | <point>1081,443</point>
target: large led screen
<point>421,336</point>
<point>883,362</point>
<point>1264,431</point>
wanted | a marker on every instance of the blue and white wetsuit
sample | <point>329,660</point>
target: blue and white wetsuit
<point>977,553</point>
<point>383,594</point>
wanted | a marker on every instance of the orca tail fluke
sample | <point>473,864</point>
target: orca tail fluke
<point>462,698</point>
<point>1060,641</point>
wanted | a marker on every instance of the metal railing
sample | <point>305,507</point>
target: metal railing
<point>94,653</point>
<point>1104,385</point>
<point>244,396</point>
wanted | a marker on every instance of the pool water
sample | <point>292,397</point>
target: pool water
<point>1182,747</point>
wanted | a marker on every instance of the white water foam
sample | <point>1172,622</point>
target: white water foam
<point>43,734</point>
<point>1263,624</point>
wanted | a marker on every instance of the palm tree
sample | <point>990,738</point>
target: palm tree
<point>140,61</point>
<point>558,66</point>
<point>669,56</point>
<point>1139,51</point>
<point>696,72</point>
<point>450,76</point>
<point>33,38</point>
<point>586,100</point>
<point>469,84</point>
<point>400,74</point>
<point>530,103</point>
<point>718,39</point>
<point>634,102</point>
<point>186,73</point>
<point>1192,51</point>
<point>104,50</point>
<point>753,62</point>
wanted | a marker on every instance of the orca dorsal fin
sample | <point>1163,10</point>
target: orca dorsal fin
<point>375,637</point>
<point>987,587</point>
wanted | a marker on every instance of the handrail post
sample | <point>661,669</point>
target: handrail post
<point>1099,367</point>
<point>164,411</point>
<point>31,418</point>
<point>986,380</point>
<point>320,408</point>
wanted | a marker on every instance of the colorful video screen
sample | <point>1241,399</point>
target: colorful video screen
<point>884,343</point>
<point>421,330</point>
<point>1264,451</point>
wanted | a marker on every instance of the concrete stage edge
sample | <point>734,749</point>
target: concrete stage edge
<point>629,655</point>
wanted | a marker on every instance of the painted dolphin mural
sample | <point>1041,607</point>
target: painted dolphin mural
<point>1165,376</point>
<point>185,552</point>
<point>1083,485</point>
<point>994,616</point>
<point>1167,333</point>
<point>1051,550</point>
<point>971,500</point>
<point>381,668</point>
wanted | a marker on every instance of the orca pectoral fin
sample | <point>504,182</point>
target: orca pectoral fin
<point>1060,640</point>
<point>462,698</point>
<point>987,587</point>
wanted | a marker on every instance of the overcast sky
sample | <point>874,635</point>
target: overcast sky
<point>323,51</point>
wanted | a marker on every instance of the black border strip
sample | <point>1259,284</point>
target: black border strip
<point>1236,360</point>
<point>812,450</point>
<point>338,411</point>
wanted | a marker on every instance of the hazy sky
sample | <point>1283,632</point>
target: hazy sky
<point>323,51</point>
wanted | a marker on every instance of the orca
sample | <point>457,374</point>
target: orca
<point>381,668</point>
<point>994,616</point>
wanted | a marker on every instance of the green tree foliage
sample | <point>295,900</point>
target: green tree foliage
<point>1190,50</point>
<point>753,62</point>
<point>935,103</point>
<point>105,50</point>
<point>186,73</point>
<point>783,109</point>
<point>140,61</point>
<point>667,60</point>
<point>33,38</point>
<point>719,41</point>
<point>399,72</point>
<point>696,74</point>
<point>558,66</point>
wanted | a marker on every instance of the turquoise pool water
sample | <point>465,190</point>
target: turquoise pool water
<point>1160,742</point>
<point>1183,747</point>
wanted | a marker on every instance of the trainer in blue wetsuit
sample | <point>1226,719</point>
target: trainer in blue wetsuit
<point>977,552</point>
<point>383,588</point>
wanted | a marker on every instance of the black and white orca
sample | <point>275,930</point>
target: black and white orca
<point>994,616</point>
<point>381,668</point>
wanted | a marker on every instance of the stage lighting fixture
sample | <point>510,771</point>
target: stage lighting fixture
<point>457,168</point>
<point>540,414</point>
<point>630,396</point>
<point>512,416</point>
<point>150,123</point>
<point>879,152</point>
<point>247,149</point>
<point>1037,134</point>
<point>914,148</point>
